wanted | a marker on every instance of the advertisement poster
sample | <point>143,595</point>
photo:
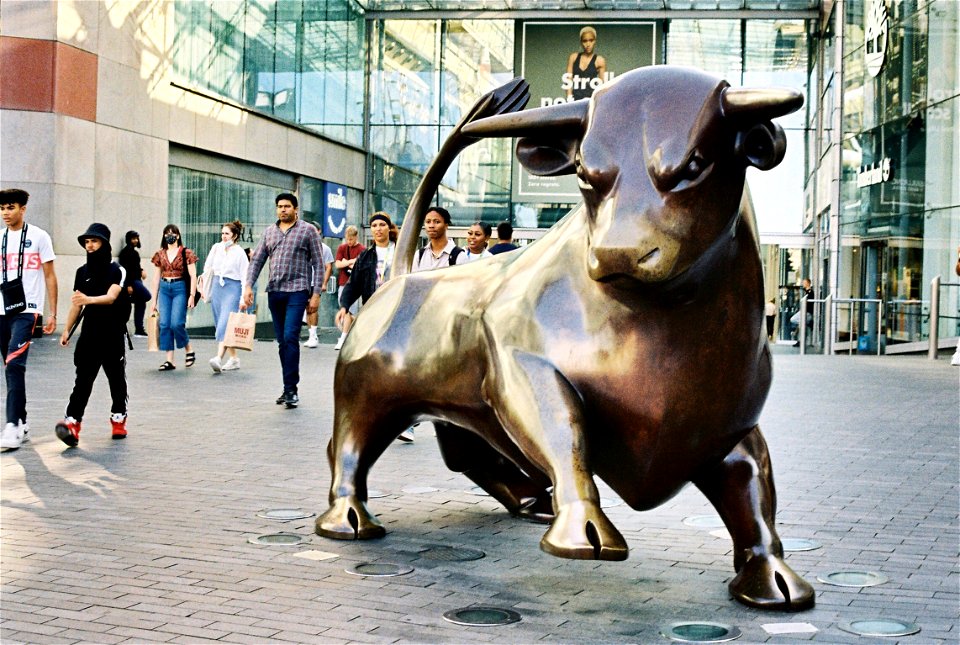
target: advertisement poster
<point>564,61</point>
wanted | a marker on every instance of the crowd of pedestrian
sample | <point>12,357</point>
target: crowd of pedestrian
<point>106,293</point>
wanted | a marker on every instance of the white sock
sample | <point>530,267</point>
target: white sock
<point>313,332</point>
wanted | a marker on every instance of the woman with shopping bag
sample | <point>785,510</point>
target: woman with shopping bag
<point>222,285</point>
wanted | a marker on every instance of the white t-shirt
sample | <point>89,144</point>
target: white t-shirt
<point>469,256</point>
<point>384,261</point>
<point>38,249</point>
<point>227,262</point>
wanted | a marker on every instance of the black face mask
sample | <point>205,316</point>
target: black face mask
<point>171,239</point>
<point>100,259</point>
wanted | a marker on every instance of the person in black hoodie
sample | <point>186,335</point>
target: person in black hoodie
<point>96,288</point>
<point>136,292</point>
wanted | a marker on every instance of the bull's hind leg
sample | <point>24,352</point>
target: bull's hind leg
<point>361,434</point>
<point>741,488</point>
<point>543,414</point>
<point>465,452</point>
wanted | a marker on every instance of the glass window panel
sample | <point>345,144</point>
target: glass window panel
<point>710,45</point>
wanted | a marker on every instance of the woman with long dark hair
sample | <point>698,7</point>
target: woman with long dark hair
<point>224,271</point>
<point>174,288</point>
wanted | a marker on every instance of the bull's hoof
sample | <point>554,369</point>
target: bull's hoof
<point>581,531</point>
<point>348,519</point>
<point>766,582</point>
<point>536,509</point>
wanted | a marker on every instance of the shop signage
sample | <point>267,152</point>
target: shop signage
<point>874,173</point>
<point>334,210</point>
<point>875,35</point>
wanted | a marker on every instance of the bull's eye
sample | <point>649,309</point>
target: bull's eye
<point>694,167</point>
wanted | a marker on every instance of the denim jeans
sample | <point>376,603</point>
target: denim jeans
<point>172,303</point>
<point>287,309</point>
<point>141,296</point>
<point>16,330</point>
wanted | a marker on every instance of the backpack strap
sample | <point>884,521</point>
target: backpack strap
<point>454,252</point>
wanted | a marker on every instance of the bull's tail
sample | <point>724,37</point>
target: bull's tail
<point>511,97</point>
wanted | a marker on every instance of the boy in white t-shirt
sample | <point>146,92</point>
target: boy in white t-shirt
<point>26,256</point>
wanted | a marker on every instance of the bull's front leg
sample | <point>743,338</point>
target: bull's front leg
<point>543,414</point>
<point>741,489</point>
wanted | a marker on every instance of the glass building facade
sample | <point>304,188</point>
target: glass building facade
<point>867,198</point>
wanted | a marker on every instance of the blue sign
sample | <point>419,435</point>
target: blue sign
<point>334,210</point>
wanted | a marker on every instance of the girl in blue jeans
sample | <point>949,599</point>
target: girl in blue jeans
<point>174,287</point>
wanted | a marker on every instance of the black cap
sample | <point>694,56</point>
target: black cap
<point>95,230</point>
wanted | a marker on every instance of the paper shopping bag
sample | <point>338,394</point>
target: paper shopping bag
<point>153,333</point>
<point>240,330</point>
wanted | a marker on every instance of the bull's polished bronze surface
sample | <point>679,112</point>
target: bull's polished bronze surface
<point>627,342</point>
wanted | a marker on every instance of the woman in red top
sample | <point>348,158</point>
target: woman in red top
<point>174,287</point>
<point>347,254</point>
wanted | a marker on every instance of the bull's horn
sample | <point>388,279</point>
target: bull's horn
<point>554,118</point>
<point>759,104</point>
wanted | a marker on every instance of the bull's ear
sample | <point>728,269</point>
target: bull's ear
<point>548,158</point>
<point>762,145</point>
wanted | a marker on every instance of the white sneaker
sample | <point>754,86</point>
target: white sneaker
<point>11,436</point>
<point>215,364</point>
<point>406,436</point>
<point>956,359</point>
<point>233,363</point>
<point>24,432</point>
<point>340,342</point>
<point>312,342</point>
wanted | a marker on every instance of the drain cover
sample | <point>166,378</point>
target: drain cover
<point>419,490</point>
<point>701,632</point>
<point>371,494</point>
<point>607,502</point>
<point>278,539</point>
<point>481,616</point>
<point>379,569</point>
<point>284,514</point>
<point>704,521</point>
<point>853,578</point>
<point>450,554</point>
<point>800,544</point>
<point>479,492</point>
<point>880,627</point>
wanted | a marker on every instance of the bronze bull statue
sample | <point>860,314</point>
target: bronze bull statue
<point>628,342</point>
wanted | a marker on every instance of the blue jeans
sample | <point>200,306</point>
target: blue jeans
<point>141,296</point>
<point>287,309</point>
<point>172,303</point>
<point>16,330</point>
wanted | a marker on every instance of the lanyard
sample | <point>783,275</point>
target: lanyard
<point>3,252</point>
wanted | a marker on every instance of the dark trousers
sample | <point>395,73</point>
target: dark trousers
<point>16,330</point>
<point>287,309</point>
<point>92,353</point>
<point>141,296</point>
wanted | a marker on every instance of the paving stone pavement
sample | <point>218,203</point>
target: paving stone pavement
<point>146,540</point>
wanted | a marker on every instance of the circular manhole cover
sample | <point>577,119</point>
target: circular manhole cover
<point>278,539</point>
<point>880,627</point>
<point>479,492</point>
<point>701,632</point>
<point>419,490</point>
<point>481,616</point>
<point>372,494</point>
<point>704,521</point>
<point>800,544</point>
<point>849,578</point>
<point>284,514</point>
<point>451,554</point>
<point>379,569</point>
<point>609,502</point>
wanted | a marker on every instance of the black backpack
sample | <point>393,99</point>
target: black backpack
<point>451,260</point>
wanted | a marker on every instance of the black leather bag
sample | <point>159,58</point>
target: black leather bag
<point>14,299</point>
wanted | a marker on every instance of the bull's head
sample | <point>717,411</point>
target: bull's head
<point>660,155</point>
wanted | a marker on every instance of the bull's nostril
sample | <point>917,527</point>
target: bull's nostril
<point>650,258</point>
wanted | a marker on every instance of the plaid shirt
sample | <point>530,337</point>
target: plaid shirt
<point>295,258</point>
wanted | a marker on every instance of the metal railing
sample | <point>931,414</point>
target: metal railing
<point>935,284</point>
<point>830,305</point>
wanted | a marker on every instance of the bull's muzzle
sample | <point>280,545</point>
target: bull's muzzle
<point>651,261</point>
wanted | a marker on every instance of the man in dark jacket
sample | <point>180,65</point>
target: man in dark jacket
<point>136,292</point>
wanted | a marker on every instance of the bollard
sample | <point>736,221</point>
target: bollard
<point>934,318</point>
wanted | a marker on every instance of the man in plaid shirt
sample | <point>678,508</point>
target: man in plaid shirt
<point>296,270</point>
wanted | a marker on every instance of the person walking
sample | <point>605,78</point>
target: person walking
<point>346,258</point>
<point>313,319</point>
<point>504,239</point>
<point>296,271</point>
<point>28,275</point>
<point>137,292</point>
<point>96,298</point>
<point>174,288</point>
<point>370,268</point>
<point>222,286</point>
<point>440,251</point>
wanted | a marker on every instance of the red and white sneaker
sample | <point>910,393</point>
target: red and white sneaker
<point>119,424</point>
<point>68,431</point>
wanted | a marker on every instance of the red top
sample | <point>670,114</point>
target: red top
<point>173,269</point>
<point>347,252</point>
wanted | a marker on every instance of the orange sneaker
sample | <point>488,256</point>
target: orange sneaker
<point>68,431</point>
<point>119,424</point>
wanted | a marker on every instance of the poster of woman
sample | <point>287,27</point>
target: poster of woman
<point>586,68</point>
